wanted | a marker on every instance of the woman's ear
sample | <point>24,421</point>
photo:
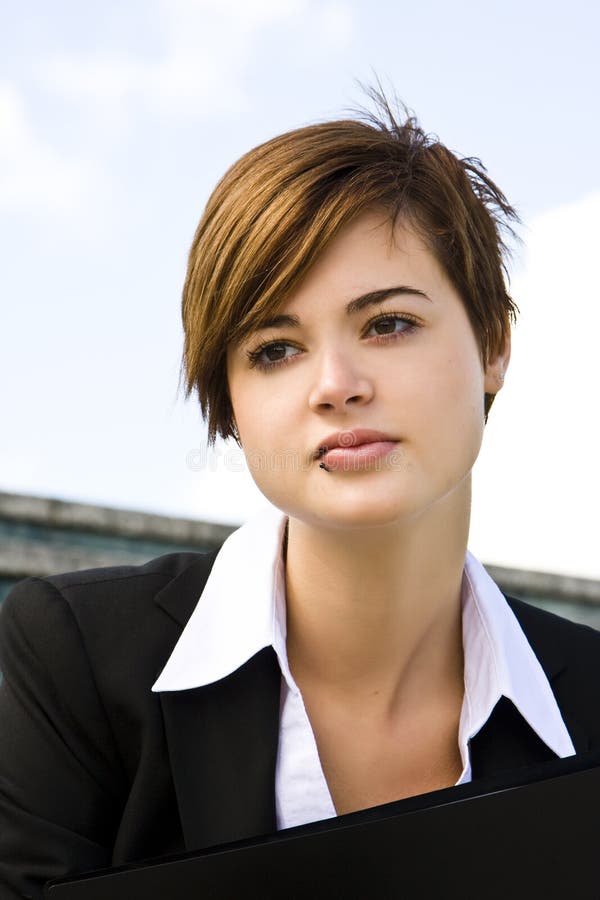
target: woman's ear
<point>496,369</point>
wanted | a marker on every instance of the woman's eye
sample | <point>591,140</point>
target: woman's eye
<point>270,355</point>
<point>275,352</point>
<point>388,325</point>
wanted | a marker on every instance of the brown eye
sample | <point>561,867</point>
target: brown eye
<point>385,326</point>
<point>271,354</point>
<point>274,352</point>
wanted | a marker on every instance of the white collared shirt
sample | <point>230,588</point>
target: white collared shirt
<point>242,610</point>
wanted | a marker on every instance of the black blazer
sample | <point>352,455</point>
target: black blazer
<point>96,770</point>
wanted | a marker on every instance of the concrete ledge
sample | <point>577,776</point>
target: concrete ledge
<point>22,560</point>
<point>107,520</point>
<point>546,584</point>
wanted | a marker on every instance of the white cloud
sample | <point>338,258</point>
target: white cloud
<point>33,176</point>
<point>208,46</point>
<point>538,486</point>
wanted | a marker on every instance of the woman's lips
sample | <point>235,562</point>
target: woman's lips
<point>361,456</point>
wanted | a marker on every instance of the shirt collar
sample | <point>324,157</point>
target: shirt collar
<point>242,610</point>
<point>499,661</point>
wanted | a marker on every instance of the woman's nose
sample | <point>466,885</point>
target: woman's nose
<point>338,382</point>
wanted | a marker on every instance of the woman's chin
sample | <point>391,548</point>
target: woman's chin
<point>351,512</point>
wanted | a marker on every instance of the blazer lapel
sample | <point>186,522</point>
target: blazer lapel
<point>221,738</point>
<point>222,742</point>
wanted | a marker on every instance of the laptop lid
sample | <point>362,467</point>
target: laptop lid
<point>530,833</point>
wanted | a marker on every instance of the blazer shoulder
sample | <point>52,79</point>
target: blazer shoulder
<point>557,641</point>
<point>96,591</point>
<point>552,624</point>
<point>99,620</point>
<point>162,568</point>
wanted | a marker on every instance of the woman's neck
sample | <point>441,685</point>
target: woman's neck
<point>376,613</point>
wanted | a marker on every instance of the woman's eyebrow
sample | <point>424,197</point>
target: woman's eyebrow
<point>373,297</point>
<point>353,306</point>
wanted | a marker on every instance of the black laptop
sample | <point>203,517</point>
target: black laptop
<point>532,833</point>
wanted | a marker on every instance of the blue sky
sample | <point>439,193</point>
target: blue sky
<point>117,119</point>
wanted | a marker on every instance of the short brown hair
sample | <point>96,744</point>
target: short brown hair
<point>275,210</point>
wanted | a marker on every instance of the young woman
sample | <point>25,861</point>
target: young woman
<point>347,321</point>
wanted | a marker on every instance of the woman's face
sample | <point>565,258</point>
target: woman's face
<point>406,363</point>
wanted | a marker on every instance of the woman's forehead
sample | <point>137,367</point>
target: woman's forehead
<point>365,254</point>
<point>368,261</point>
